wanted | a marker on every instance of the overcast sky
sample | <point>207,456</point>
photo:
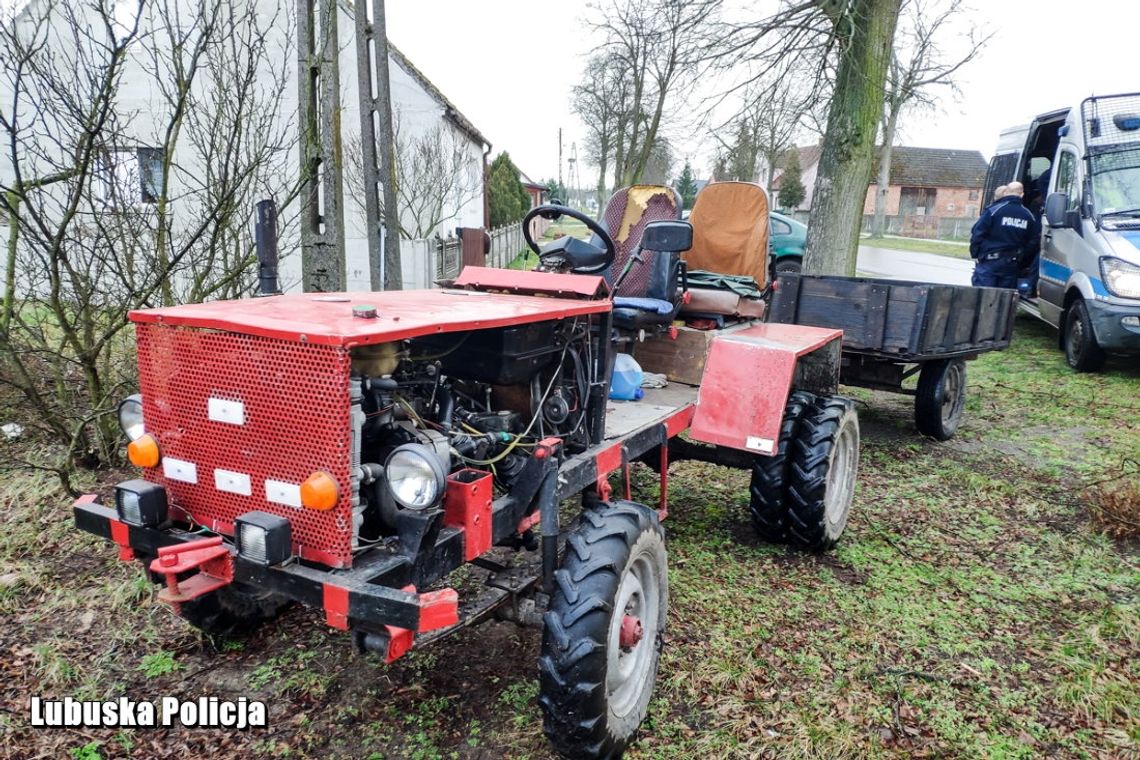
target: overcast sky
<point>509,66</point>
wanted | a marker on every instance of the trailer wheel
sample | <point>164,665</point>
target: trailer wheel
<point>824,463</point>
<point>940,399</point>
<point>601,641</point>
<point>768,493</point>
<point>1081,349</point>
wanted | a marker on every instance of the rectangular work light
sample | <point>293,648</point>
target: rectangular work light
<point>141,503</point>
<point>263,538</point>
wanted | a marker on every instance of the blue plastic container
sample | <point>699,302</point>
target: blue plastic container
<point>626,382</point>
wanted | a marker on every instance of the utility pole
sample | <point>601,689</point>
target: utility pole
<point>379,147</point>
<point>322,217</point>
<point>560,162</point>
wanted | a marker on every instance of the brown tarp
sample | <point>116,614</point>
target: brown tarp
<point>730,230</point>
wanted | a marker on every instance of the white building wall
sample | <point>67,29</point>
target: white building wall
<point>144,114</point>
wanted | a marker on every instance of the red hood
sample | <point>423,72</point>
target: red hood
<point>327,318</point>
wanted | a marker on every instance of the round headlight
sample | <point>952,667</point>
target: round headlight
<point>415,476</point>
<point>131,416</point>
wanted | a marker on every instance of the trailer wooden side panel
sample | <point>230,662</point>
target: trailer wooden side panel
<point>898,319</point>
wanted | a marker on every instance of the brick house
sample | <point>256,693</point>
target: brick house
<point>932,182</point>
<point>936,182</point>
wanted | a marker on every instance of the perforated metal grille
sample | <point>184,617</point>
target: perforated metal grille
<point>294,400</point>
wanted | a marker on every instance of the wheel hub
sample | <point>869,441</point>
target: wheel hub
<point>632,632</point>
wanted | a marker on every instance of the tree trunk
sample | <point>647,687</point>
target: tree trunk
<point>866,35</point>
<point>879,225</point>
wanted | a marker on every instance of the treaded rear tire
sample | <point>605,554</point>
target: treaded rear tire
<point>768,492</point>
<point>584,717</point>
<point>824,465</point>
<point>940,398</point>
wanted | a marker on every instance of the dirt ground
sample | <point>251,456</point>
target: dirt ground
<point>972,609</point>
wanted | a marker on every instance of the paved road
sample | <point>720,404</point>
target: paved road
<point>913,265</point>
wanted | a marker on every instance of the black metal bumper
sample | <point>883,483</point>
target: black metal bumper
<point>351,599</point>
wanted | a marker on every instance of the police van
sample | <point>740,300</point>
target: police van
<point>1081,167</point>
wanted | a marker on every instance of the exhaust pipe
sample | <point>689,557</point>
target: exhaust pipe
<point>265,235</point>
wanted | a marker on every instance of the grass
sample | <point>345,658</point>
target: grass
<point>973,609</point>
<point>940,247</point>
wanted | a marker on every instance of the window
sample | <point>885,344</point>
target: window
<point>973,195</point>
<point>780,228</point>
<point>130,177</point>
<point>1067,181</point>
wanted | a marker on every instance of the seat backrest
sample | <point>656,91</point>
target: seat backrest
<point>627,212</point>
<point>730,230</point>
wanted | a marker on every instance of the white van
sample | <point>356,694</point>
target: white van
<point>1081,166</point>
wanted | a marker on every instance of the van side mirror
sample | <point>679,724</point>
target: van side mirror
<point>1056,210</point>
<point>667,236</point>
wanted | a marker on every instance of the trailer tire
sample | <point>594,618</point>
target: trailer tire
<point>940,398</point>
<point>769,488</point>
<point>824,465</point>
<point>1079,341</point>
<point>594,692</point>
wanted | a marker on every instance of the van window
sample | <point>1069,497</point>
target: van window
<point>1000,173</point>
<point>1066,180</point>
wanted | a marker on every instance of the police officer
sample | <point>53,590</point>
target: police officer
<point>1004,233</point>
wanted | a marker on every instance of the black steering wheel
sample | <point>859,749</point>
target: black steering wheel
<point>580,256</point>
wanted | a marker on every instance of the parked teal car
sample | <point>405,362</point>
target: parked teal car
<point>786,239</point>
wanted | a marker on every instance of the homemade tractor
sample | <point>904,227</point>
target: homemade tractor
<point>348,451</point>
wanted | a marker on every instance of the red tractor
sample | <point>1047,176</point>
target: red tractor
<point>347,451</point>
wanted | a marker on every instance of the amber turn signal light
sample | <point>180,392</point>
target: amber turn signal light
<point>319,491</point>
<point>143,451</point>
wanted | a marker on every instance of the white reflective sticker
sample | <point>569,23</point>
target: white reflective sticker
<point>224,410</point>
<point>763,445</point>
<point>232,482</point>
<point>177,469</point>
<point>280,492</point>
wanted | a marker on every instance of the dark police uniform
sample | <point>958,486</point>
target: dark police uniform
<point>1004,233</point>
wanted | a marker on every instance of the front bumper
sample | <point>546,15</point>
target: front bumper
<point>355,599</point>
<point>1108,326</point>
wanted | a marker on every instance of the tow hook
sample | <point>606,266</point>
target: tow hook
<point>208,556</point>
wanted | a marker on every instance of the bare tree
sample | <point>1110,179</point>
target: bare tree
<point>597,101</point>
<point>651,51</point>
<point>847,44</point>
<point>435,177</point>
<point>118,201</point>
<point>919,66</point>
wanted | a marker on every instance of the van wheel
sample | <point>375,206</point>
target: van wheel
<point>1081,349</point>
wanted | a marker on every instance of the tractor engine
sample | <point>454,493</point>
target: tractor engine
<point>427,407</point>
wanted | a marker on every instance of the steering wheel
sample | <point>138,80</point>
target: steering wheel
<point>553,211</point>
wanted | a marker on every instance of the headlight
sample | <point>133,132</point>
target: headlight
<point>414,476</point>
<point>131,416</point>
<point>1121,278</point>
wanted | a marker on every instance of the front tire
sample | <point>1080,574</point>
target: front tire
<point>788,265</point>
<point>769,489</point>
<point>231,611</point>
<point>602,635</point>
<point>941,398</point>
<point>1081,349</point>
<point>824,464</point>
